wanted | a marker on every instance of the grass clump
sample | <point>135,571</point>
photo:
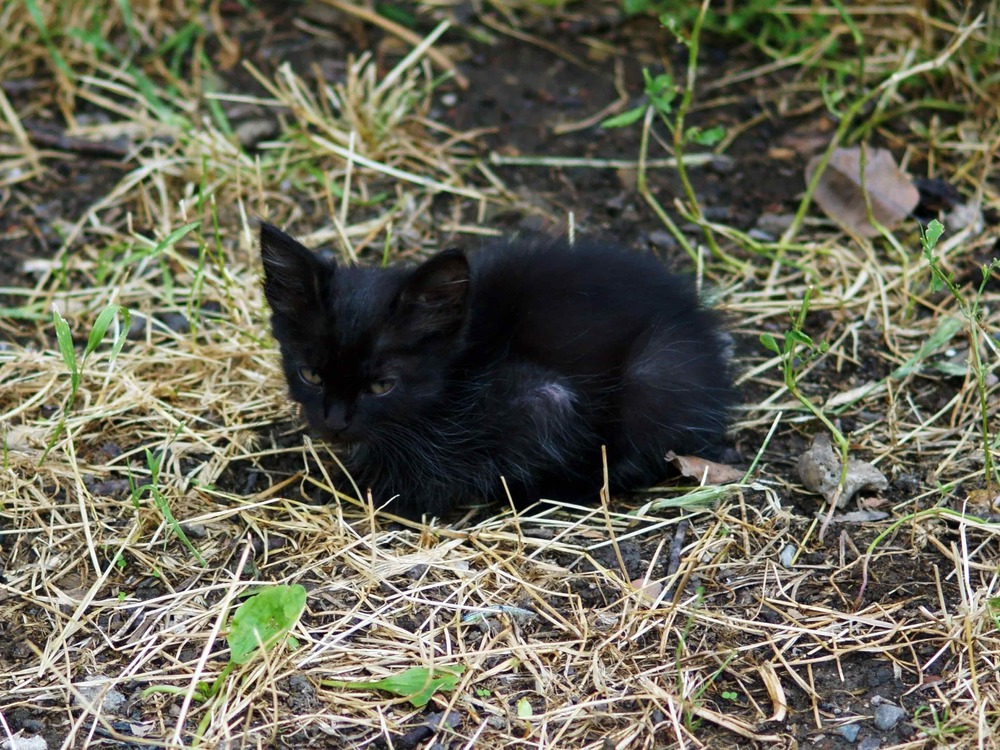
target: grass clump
<point>176,475</point>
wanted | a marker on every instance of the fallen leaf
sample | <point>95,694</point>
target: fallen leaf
<point>820,470</point>
<point>650,590</point>
<point>980,501</point>
<point>890,190</point>
<point>416,684</point>
<point>704,471</point>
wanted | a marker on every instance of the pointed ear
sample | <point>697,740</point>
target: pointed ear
<point>293,275</point>
<point>434,300</point>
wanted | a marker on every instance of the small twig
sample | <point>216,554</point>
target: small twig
<point>676,547</point>
<point>47,137</point>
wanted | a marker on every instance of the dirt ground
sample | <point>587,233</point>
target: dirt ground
<point>882,633</point>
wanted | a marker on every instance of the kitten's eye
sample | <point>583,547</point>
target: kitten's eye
<point>310,376</point>
<point>381,387</point>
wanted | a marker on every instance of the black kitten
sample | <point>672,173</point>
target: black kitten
<point>518,361</point>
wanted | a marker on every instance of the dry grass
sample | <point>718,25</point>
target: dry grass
<point>586,628</point>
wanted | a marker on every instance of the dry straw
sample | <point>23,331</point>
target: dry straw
<point>682,626</point>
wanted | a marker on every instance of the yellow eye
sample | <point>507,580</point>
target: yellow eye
<point>381,387</point>
<point>310,376</point>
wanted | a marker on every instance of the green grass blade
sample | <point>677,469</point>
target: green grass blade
<point>100,328</point>
<point>43,31</point>
<point>65,338</point>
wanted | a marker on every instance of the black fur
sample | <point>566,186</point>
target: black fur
<point>518,361</point>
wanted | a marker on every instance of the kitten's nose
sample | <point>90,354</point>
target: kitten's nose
<point>336,418</point>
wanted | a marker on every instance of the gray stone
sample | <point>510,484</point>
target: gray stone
<point>113,701</point>
<point>849,731</point>
<point>888,715</point>
<point>870,743</point>
<point>25,743</point>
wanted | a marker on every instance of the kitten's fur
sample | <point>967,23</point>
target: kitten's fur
<point>518,361</point>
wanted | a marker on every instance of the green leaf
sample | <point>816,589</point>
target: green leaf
<point>660,90</point>
<point>952,369</point>
<point>416,684</point>
<point>264,619</point>
<point>524,710</point>
<point>800,338</point>
<point>65,338</point>
<point>932,234</point>
<point>945,332</point>
<point>122,334</point>
<point>633,7</point>
<point>625,119</point>
<point>400,15</point>
<point>100,328</point>
<point>709,137</point>
<point>43,32</point>
<point>175,236</point>
<point>769,343</point>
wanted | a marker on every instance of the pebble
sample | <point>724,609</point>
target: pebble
<point>25,743</point>
<point>722,164</point>
<point>194,530</point>
<point>252,132</point>
<point>849,731</point>
<point>787,555</point>
<point>137,329</point>
<point>888,715</point>
<point>870,743</point>
<point>175,321</point>
<point>114,701</point>
<point>774,224</point>
<point>662,239</point>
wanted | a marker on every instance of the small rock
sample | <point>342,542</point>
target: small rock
<point>849,731</point>
<point>25,743</point>
<point>662,239</point>
<point>111,449</point>
<point>870,743</point>
<point>322,15</point>
<point>137,329</point>
<point>966,215</point>
<point>111,488</point>
<point>450,99</point>
<point>251,132</point>
<point>194,530</point>
<point>888,715</point>
<point>760,235</point>
<point>113,701</point>
<point>787,555</point>
<point>774,224</point>
<point>617,203</point>
<point>175,321</point>
<point>721,164</point>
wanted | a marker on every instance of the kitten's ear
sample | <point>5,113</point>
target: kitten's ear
<point>293,275</point>
<point>434,300</point>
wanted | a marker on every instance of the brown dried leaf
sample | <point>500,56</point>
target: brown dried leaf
<point>820,469</point>
<point>650,590</point>
<point>891,191</point>
<point>705,471</point>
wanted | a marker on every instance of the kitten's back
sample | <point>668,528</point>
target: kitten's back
<point>579,306</point>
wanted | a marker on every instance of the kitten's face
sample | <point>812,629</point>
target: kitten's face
<point>365,351</point>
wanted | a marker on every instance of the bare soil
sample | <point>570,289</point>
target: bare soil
<point>521,93</point>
